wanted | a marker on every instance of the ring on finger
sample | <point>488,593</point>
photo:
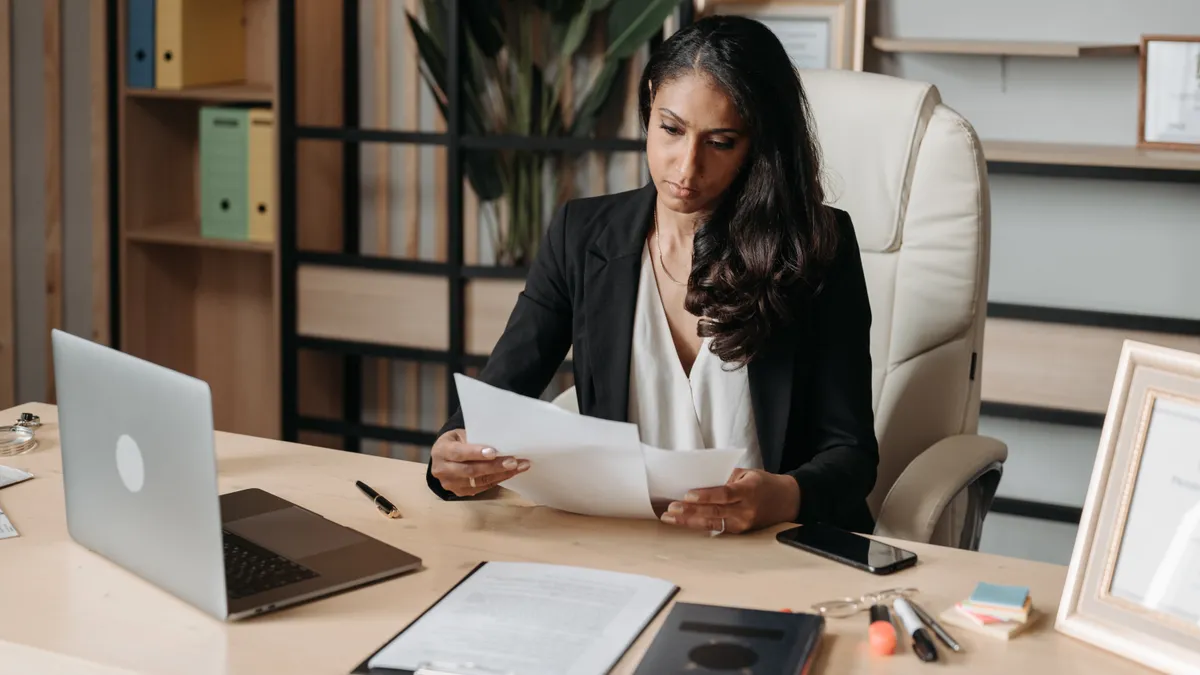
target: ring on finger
<point>715,532</point>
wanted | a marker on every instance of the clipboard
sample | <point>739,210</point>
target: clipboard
<point>364,668</point>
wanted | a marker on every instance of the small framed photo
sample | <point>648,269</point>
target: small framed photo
<point>1133,587</point>
<point>818,34</point>
<point>1169,93</point>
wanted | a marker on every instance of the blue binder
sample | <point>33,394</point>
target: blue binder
<point>140,55</point>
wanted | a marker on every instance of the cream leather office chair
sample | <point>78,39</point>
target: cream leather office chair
<point>910,171</point>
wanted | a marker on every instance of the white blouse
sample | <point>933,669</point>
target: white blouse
<point>674,411</point>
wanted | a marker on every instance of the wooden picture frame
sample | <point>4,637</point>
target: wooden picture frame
<point>1133,586</point>
<point>1169,92</point>
<point>820,34</point>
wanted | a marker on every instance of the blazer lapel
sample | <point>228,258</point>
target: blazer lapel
<point>611,268</point>
<point>771,376</point>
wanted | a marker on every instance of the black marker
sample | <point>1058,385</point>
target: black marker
<point>922,643</point>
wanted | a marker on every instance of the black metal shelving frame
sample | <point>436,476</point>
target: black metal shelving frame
<point>456,143</point>
<point>455,359</point>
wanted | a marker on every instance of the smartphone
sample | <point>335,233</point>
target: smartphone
<point>848,548</point>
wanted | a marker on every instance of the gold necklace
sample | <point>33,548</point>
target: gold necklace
<point>658,245</point>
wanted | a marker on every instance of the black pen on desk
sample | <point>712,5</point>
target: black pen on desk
<point>380,501</point>
<point>936,627</point>
<point>921,642</point>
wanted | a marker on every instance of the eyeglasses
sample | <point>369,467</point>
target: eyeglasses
<point>19,438</point>
<point>844,607</point>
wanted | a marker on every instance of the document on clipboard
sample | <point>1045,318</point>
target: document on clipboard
<point>529,619</point>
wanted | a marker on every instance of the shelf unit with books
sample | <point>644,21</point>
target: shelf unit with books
<point>367,306</point>
<point>205,306</point>
<point>1047,363</point>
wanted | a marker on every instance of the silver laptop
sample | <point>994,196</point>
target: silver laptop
<point>140,477</point>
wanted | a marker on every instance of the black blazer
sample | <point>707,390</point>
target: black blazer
<point>810,389</point>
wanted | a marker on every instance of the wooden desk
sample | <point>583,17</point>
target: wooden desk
<point>62,601</point>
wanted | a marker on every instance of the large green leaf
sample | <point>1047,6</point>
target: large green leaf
<point>430,51</point>
<point>585,117</point>
<point>571,34</point>
<point>435,34</point>
<point>483,69</point>
<point>523,94</point>
<point>485,23</point>
<point>435,18</point>
<point>481,167</point>
<point>553,124</point>
<point>435,61</point>
<point>560,11</point>
<point>631,24</point>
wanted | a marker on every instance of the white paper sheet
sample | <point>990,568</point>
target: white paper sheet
<point>11,476</point>
<point>7,530</point>
<point>671,473</point>
<point>532,619</point>
<point>579,464</point>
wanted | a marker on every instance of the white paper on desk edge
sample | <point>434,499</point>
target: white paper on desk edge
<point>12,476</point>
<point>7,531</point>
<point>672,473</point>
<point>580,464</point>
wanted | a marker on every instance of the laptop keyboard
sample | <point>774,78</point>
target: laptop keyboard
<point>250,568</point>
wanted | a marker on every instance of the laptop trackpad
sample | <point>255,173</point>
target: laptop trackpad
<point>294,533</point>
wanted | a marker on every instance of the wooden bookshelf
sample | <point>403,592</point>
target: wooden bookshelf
<point>233,93</point>
<point>1116,156</point>
<point>1070,50</point>
<point>208,307</point>
<point>187,234</point>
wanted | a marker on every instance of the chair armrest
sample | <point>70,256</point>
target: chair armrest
<point>919,497</point>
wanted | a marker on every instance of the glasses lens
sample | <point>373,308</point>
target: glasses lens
<point>837,608</point>
<point>15,441</point>
<point>893,593</point>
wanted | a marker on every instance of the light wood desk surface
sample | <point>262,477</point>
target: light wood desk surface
<point>63,607</point>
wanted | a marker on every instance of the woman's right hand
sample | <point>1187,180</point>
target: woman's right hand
<point>454,462</point>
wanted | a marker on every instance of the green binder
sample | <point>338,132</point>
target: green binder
<point>224,173</point>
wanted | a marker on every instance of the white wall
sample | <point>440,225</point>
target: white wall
<point>1102,245</point>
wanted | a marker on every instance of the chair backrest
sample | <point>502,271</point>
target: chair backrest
<point>911,174</point>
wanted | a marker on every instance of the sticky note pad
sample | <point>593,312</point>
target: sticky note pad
<point>997,595</point>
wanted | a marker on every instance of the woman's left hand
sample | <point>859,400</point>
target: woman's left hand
<point>750,500</point>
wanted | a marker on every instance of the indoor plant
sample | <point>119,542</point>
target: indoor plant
<point>517,56</point>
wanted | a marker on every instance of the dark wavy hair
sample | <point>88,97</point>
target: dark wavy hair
<point>771,235</point>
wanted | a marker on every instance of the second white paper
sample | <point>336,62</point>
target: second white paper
<point>579,464</point>
<point>671,473</point>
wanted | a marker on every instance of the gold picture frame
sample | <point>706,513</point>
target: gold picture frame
<point>819,34</point>
<point>1133,586</point>
<point>1169,92</point>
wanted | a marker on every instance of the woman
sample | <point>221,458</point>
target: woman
<point>721,305</point>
